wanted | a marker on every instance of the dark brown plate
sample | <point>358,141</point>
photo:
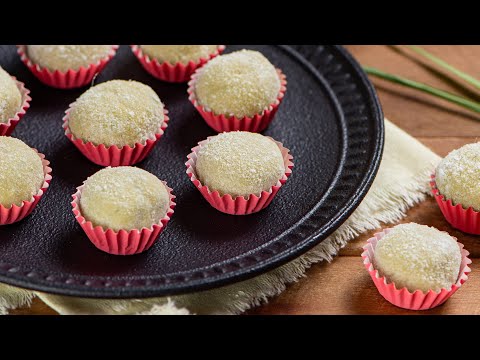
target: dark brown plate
<point>330,119</point>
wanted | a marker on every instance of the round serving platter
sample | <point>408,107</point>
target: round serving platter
<point>330,119</point>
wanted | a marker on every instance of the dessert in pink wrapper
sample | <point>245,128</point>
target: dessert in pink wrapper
<point>242,172</point>
<point>456,188</point>
<point>466,220</point>
<point>66,66</point>
<point>256,123</point>
<point>174,63</point>
<point>113,155</point>
<point>25,176</point>
<point>123,210</point>
<point>116,130</point>
<point>241,91</point>
<point>6,128</point>
<point>444,267</point>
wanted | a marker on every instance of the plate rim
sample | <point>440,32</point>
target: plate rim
<point>124,292</point>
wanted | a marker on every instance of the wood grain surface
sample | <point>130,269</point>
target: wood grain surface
<point>343,286</point>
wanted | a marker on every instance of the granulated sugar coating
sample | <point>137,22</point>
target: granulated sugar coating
<point>21,172</point>
<point>240,164</point>
<point>243,83</point>
<point>64,57</point>
<point>178,53</point>
<point>418,257</point>
<point>458,176</point>
<point>10,97</point>
<point>117,112</point>
<point>124,198</point>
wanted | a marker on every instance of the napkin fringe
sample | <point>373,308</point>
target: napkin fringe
<point>13,298</point>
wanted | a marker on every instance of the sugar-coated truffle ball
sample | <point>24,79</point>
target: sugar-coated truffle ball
<point>65,57</point>
<point>458,176</point>
<point>21,172</point>
<point>418,257</point>
<point>243,83</point>
<point>124,198</point>
<point>178,53</point>
<point>10,97</point>
<point>239,163</point>
<point>117,112</point>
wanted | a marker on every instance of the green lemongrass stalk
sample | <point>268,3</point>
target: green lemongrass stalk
<point>468,78</point>
<point>469,104</point>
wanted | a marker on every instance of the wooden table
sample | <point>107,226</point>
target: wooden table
<point>343,286</point>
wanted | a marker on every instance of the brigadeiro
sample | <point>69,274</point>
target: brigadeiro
<point>14,101</point>
<point>456,185</point>
<point>66,66</point>
<point>123,209</point>
<point>239,172</point>
<point>117,122</point>
<point>24,178</point>
<point>238,91</point>
<point>415,266</point>
<point>175,63</point>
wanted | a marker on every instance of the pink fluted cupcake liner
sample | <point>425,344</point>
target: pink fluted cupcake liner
<point>402,297</point>
<point>238,205</point>
<point>174,73</point>
<point>122,242</point>
<point>16,213</point>
<point>7,128</point>
<point>223,123</point>
<point>69,79</point>
<point>113,155</point>
<point>466,220</point>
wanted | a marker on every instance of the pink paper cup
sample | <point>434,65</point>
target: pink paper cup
<point>173,73</point>
<point>122,242</point>
<point>69,79</point>
<point>7,128</point>
<point>466,220</point>
<point>222,123</point>
<point>403,298</point>
<point>238,205</point>
<point>113,155</point>
<point>16,213</point>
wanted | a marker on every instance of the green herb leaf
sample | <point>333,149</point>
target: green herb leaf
<point>468,78</point>
<point>466,103</point>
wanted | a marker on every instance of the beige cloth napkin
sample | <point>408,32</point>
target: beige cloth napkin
<point>402,181</point>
